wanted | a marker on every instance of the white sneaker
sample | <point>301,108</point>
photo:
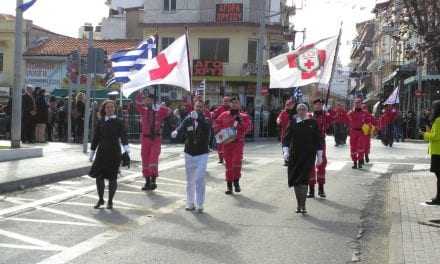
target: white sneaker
<point>190,208</point>
<point>199,210</point>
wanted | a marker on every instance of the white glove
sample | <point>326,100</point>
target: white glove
<point>194,115</point>
<point>126,149</point>
<point>286,153</point>
<point>236,124</point>
<point>319,157</point>
<point>174,134</point>
<point>92,155</point>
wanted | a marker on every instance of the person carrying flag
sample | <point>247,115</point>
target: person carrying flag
<point>151,121</point>
<point>233,150</point>
<point>317,175</point>
<point>215,114</point>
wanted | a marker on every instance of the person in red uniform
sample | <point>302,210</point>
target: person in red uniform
<point>215,114</point>
<point>233,151</point>
<point>151,121</point>
<point>283,119</point>
<point>366,135</point>
<point>387,129</point>
<point>357,119</point>
<point>340,123</point>
<point>324,121</point>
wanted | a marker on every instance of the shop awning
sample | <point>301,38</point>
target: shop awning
<point>413,79</point>
<point>97,94</point>
<point>248,79</point>
<point>390,77</point>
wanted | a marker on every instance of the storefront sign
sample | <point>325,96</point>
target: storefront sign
<point>231,12</point>
<point>207,68</point>
<point>46,75</point>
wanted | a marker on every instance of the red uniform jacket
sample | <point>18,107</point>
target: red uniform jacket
<point>340,116</point>
<point>356,119</point>
<point>324,121</point>
<point>147,118</point>
<point>218,111</point>
<point>283,121</point>
<point>387,118</point>
<point>226,120</point>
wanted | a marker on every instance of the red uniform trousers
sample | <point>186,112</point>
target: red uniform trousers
<point>220,151</point>
<point>233,154</point>
<point>357,146</point>
<point>150,151</point>
<point>366,141</point>
<point>318,172</point>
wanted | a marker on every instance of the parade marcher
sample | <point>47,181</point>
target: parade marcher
<point>317,175</point>
<point>233,151</point>
<point>387,125</point>
<point>283,119</point>
<point>340,123</point>
<point>196,131</point>
<point>432,135</point>
<point>367,132</point>
<point>151,120</point>
<point>302,146</point>
<point>215,114</point>
<point>108,136</point>
<point>357,118</point>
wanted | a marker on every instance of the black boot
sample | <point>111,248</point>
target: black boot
<point>153,184</point>
<point>228,188</point>
<point>98,204</point>
<point>220,161</point>
<point>237,186</point>
<point>311,191</point>
<point>367,159</point>
<point>297,190</point>
<point>147,185</point>
<point>303,198</point>
<point>321,192</point>
<point>355,165</point>
<point>360,163</point>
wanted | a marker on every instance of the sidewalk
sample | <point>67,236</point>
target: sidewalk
<point>413,239</point>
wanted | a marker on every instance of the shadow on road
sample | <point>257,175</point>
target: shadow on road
<point>245,202</point>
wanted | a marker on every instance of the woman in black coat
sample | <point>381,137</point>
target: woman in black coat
<point>301,146</point>
<point>108,136</point>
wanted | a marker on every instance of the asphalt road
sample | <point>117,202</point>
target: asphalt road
<point>57,224</point>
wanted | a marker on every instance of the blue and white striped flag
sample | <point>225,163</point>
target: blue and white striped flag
<point>26,5</point>
<point>125,62</point>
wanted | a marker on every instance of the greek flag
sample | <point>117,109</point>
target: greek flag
<point>124,62</point>
<point>201,89</point>
<point>297,94</point>
<point>26,5</point>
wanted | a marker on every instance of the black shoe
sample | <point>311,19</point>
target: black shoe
<point>367,159</point>
<point>220,161</point>
<point>355,165</point>
<point>153,185</point>
<point>228,188</point>
<point>298,210</point>
<point>434,201</point>
<point>360,164</point>
<point>286,163</point>
<point>304,211</point>
<point>147,185</point>
<point>110,205</point>
<point>98,204</point>
<point>321,192</point>
<point>237,186</point>
<point>311,193</point>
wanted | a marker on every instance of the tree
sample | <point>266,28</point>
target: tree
<point>423,16</point>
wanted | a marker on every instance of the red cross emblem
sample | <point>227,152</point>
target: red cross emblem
<point>308,60</point>
<point>164,68</point>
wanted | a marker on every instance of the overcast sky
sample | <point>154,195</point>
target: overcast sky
<point>321,17</point>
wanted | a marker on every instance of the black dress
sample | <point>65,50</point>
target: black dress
<point>108,137</point>
<point>304,140</point>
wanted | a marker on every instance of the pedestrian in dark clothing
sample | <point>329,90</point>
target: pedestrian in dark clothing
<point>51,117</point>
<point>28,109</point>
<point>61,121</point>
<point>80,113</point>
<point>432,135</point>
<point>108,135</point>
<point>42,116</point>
<point>302,145</point>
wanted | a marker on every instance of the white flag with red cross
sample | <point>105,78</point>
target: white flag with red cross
<point>307,64</point>
<point>171,66</point>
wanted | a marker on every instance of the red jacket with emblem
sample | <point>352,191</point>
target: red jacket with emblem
<point>226,120</point>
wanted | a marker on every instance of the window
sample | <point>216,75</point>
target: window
<point>252,51</point>
<point>1,62</point>
<point>214,49</point>
<point>165,42</point>
<point>169,5</point>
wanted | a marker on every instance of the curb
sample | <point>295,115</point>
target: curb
<point>43,179</point>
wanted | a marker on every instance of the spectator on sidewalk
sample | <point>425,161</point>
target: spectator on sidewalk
<point>79,120</point>
<point>61,121</point>
<point>28,115</point>
<point>108,135</point>
<point>51,117</point>
<point>432,135</point>
<point>42,115</point>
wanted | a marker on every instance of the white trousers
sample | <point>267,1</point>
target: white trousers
<point>195,179</point>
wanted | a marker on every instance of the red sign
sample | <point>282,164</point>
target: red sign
<point>231,12</point>
<point>207,68</point>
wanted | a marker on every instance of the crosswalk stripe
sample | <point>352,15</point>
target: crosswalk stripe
<point>422,167</point>
<point>380,168</point>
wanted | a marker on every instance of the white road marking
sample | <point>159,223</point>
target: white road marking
<point>336,165</point>
<point>421,167</point>
<point>15,246</point>
<point>31,240</point>
<point>380,167</point>
<point>49,221</point>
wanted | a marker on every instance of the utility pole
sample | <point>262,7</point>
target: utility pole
<point>260,57</point>
<point>18,79</point>
<point>90,78</point>
<point>419,85</point>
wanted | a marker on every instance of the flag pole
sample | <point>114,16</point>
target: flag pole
<point>335,59</point>
<point>189,61</point>
<point>156,87</point>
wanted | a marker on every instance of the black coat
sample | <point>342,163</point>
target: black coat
<point>196,140</point>
<point>27,106</point>
<point>108,137</point>
<point>42,116</point>
<point>303,140</point>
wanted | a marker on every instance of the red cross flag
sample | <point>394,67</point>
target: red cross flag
<point>171,66</point>
<point>307,64</point>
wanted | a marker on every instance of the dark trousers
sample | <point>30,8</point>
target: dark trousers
<point>340,132</point>
<point>27,130</point>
